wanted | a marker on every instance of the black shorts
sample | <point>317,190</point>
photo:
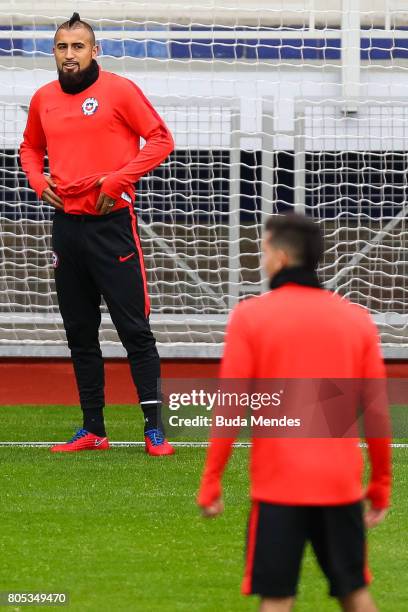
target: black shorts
<point>276,539</point>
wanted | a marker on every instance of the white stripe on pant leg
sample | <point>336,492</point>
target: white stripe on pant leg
<point>151,402</point>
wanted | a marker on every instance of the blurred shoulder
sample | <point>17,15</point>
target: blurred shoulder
<point>247,307</point>
<point>359,315</point>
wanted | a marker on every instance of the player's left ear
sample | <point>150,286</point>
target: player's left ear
<point>284,258</point>
<point>95,51</point>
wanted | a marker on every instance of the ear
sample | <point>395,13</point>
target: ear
<point>95,51</point>
<point>283,258</point>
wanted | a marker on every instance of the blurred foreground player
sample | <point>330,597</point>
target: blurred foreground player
<point>90,122</point>
<point>305,489</point>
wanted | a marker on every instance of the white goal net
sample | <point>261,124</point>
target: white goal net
<point>274,106</point>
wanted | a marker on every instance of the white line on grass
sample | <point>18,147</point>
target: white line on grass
<point>120,444</point>
<point>124,444</point>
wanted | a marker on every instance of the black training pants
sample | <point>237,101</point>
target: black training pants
<point>98,256</point>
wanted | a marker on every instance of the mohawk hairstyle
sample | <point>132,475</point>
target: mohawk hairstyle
<point>76,22</point>
<point>75,17</point>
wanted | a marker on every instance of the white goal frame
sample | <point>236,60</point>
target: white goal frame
<point>349,20</point>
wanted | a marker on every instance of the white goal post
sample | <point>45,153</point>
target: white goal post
<point>274,106</point>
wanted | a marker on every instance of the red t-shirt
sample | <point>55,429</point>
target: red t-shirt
<point>92,134</point>
<point>302,332</point>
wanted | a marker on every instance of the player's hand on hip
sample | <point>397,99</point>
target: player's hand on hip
<point>374,516</point>
<point>214,509</point>
<point>49,196</point>
<point>104,203</point>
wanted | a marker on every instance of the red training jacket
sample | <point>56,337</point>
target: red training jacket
<point>92,134</point>
<point>296,331</point>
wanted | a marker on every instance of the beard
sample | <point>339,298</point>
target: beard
<point>74,82</point>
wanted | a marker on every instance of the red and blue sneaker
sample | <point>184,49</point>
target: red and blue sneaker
<point>156,444</point>
<point>82,440</point>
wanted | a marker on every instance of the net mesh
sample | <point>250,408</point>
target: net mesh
<point>262,107</point>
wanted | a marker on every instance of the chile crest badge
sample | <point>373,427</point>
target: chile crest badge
<point>90,106</point>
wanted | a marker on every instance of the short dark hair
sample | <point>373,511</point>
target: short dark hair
<point>76,22</point>
<point>300,235</point>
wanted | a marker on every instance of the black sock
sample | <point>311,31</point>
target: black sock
<point>152,416</point>
<point>93,421</point>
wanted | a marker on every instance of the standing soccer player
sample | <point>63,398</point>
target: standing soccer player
<point>90,122</point>
<point>305,489</point>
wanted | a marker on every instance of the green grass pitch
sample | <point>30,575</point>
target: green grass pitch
<point>120,531</point>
